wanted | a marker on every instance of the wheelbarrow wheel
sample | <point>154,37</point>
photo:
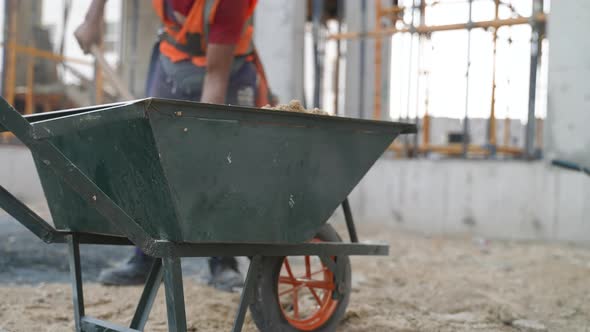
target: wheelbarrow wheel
<point>298,293</point>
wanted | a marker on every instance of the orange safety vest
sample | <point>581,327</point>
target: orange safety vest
<point>189,40</point>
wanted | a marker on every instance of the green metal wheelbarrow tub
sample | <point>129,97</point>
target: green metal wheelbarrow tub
<point>192,172</point>
<point>180,179</point>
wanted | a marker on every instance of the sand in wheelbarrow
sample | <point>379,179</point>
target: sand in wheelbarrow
<point>295,106</point>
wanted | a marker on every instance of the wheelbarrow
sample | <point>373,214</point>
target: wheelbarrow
<point>183,179</point>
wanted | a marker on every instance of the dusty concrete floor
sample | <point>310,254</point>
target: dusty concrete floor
<point>426,284</point>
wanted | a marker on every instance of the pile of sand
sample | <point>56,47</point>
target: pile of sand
<point>295,106</point>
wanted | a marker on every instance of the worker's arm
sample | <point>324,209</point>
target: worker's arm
<point>219,62</point>
<point>224,35</point>
<point>90,31</point>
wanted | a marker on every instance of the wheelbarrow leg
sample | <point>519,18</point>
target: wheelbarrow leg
<point>174,294</point>
<point>76,276</point>
<point>150,291</point>
<point>349,221</point>
<point>247,293</point>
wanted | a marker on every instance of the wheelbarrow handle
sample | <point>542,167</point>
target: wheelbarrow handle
<point>79,182</point>
<point>28,218</point>
<point>570,165</point>
<point>14,122</point>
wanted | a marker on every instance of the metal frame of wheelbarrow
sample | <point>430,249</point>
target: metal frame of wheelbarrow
<point>167,265</point>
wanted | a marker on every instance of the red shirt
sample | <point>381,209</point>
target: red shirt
<point>229,19</point>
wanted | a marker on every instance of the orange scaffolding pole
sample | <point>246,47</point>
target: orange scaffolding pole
<point>98,74</point>
<point>456,149</point>
<point>48,55</point>
<point>426,129</point>
<point>10,78</point>
<point>541,18</point>
<point>506,130</point>
<point>29,99</point>
<point>11,57</point>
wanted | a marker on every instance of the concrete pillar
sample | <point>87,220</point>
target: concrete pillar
<point>136,63</point>
<point>279,30</point>
<point>385,78</point>
<point>567,135</point>
<point>359,92</point>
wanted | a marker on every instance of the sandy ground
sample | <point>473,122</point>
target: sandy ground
<point>426,284</point>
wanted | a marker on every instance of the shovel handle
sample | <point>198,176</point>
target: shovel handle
<point>112,76</point>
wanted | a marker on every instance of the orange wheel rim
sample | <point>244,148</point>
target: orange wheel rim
<point>305,293</point>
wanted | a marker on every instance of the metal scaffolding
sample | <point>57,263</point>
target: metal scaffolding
<point>394,13</point>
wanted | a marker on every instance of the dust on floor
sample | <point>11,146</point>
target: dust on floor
<point>426,284</point>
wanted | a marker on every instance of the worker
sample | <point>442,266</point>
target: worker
<point>204,53</point>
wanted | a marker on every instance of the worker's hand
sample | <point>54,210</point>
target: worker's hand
<point>87,34</point>
<point>90,31</point>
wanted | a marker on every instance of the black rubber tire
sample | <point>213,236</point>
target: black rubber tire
<point>265,308</point>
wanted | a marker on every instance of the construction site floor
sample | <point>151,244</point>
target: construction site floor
<point>428,283</point>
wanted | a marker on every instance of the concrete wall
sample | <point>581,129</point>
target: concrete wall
<point>567,134</point>
<point>498,199</point>
<point>136,63</point>
<point>510,200</point>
